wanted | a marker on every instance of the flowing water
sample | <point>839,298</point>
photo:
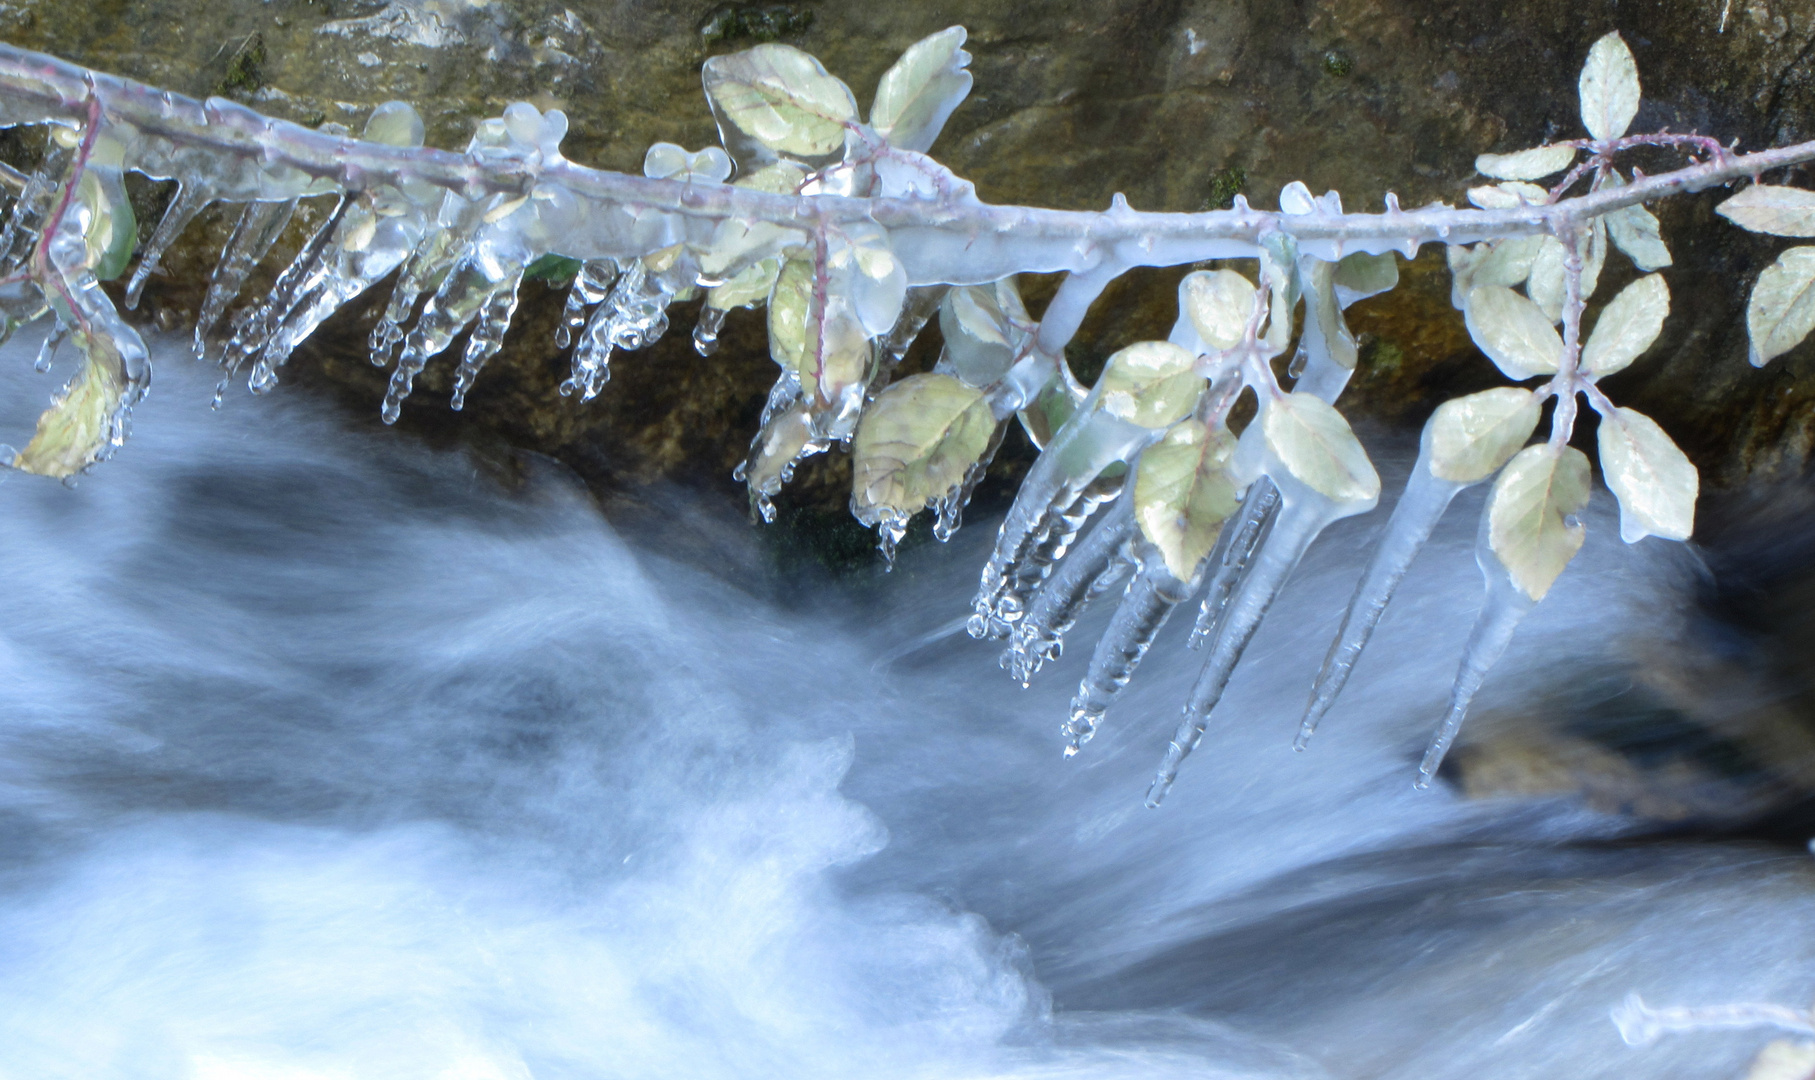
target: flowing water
<point>324,755</point>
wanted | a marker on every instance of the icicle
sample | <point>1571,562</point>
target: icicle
<point>253,327</point>
<point>191,198</point>
<point>1085,574</point>
<point>259,226</point>
<point>591,285</point>
<point>948,513</point>
<point>1301,516</point>
<point>47,352</point>
<point>1421,505</point>
<point>1145,607</point>
<point>705,331</point>
<point>633,315</point>
<point>487,337</point>
<point>32,206</point>
<point>428,264</point>
<point>1501,612</point>
<point>1230,559</point>
<point>1048,537</point>
<point>464,294</point>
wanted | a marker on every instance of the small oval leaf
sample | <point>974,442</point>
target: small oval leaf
<point>1609,86</point>
<point>1765,208</point>
<point>73,433</point>
<point>1312,442</point>
<point>915,444</point>
<point>1183,492</point>
<point>1150,383</point>
<point>1471,437</point>
<point>1654,481</point>
<point>1628,325</point>
<point>918,94</point>
<point>1782,309</point>
<point>1533,164</point>
<point>1219,303</point>
<point>1531,524</point>
<point>780,99</point>
<point>1514,334</point>
<point>1634,230</point>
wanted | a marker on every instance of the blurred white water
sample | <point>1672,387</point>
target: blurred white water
<point>324,756</point>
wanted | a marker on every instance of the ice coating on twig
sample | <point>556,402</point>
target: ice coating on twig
<point>1146,605</point>
<point>1642,1025</point>
<point>1302,514</point>
<point>1501,611</point>
<point>1420,507</point>
<point>1086,573</point>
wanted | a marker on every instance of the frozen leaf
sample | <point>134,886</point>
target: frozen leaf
<point>979,323</point>
<point>1361,275</point>
<point>666,161</point>
<point>73,433</point>
<point>816,336</point>
<point>1508,262</point>
<point>781,99</point>
<point>1656,484</point>
<point>920,91</point>
<point>1533,164</point>
<point>1326,316</point>
<point>1513,333</point>
<point>1782,309</point>
<point>1471,437</point>
<point>1218,303</point>
<point>1784,1059</point>
<point>1546,285</point>
<point>1150,383</point>
<point>1183,493</point>
<point>1634,230</point>
<point>915,444</point>
<point>112,229</point>
<point>1609,87</point>
<point>1312,441</point>
<point>1765,208</point>
<point>1508,195</point>
<point>1531,524</point>
<point>1627,326</point>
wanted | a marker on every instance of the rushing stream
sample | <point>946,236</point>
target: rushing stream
<point>326,756</point>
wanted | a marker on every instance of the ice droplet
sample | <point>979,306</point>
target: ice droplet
<point>705,331</point>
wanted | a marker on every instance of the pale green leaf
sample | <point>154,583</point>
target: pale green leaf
<point>1507,262</point>
<point>1150,383</point>
<point>1219,303</point>
<point>1609,87</point>
<point>1533,164</point>
<point>815,334</point>
<point>915,443</point>
<point>920,91</point>
<point>1531,524</point>
<point>782,442</point>
<point>73,432</point>
<point>1508,196</point>
<point>1312,442</point>
<point>776,178</point>
<point>1628,325</point>
<point>1634,230</point>
<point>751,285</point>
<point>1782,309</point>
<point>779,98</point>
<point>1361,275</point>
<point>1764,208</point>
<point>1471,437</point>
<point>1513,333</point>
<point>1655,482</point>
<point>1546,284</point>
<point>1783,1059</point>
<point>1334,329</point>
<point>1183,492</point>
<point>112,230</point>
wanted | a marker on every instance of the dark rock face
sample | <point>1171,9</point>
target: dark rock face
<point>1179,104</point>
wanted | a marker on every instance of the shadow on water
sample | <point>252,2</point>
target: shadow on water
<point>323,755</point>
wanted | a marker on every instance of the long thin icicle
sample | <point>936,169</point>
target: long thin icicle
<point>1080,578</point>
<point>1505,605</point>
<point>1420,507</point>
<point>591,285</point>
<point>191,198</point>
<point>1232,557</point>
<point>1145,607</point>
<point>259,226</point>
<point>1302,515</point>
<point>487,337</point>
<point>253,328</point>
